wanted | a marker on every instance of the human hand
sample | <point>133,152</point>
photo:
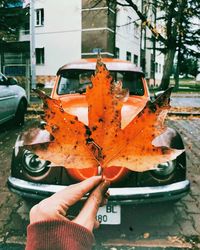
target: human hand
<point>56,206</point>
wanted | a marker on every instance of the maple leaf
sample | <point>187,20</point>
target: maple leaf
<point>104,109</point>
<point>68,145</point>
<point>104,142</point>
<point>130,147</point>
<point>135,149</point>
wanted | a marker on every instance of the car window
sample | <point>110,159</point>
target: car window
<point>130,80</point>
<point>76,81</point>
<point>3,79</point>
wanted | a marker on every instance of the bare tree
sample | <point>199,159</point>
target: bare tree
<point>181,32</point>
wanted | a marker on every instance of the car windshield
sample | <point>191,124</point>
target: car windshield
<point>76,81</point>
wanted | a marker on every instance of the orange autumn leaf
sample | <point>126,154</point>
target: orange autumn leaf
<point>130,147</point>
<point>137,152</point>
<point>68,146</point>
<point>103,142</point>
<point>104,109</point>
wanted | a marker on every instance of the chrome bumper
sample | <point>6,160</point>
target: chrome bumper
<point>130,195</point>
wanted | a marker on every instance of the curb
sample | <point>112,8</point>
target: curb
<point>40,112</point>
<point>156,244</point>
<point>183,113</point>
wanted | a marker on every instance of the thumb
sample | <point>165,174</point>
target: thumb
<point>87,216</point>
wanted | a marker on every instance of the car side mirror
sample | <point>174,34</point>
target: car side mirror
<point>42,124</point>
<point>12,81</point>
<point>157,94</point>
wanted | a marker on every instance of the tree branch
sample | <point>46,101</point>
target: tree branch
<point>122,4</point>
<point>145,21</point>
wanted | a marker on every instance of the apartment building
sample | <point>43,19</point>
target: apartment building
<point>77,29</point>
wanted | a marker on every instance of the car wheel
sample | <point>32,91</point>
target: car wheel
<point>20,114</point>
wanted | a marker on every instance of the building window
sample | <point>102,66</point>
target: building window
<point>26,29</point>
<point>116,52</point>
<point>156,67</point>
<point>39,55</point>
<point>39,17</point>
<point>128,56</point>
<point>135,60</point>
<point>129,24</point>
<point>142,59</point>
<point>136,30</point>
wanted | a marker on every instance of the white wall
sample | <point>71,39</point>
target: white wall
<point>160,25</point>
<point>160,62</point>
<point>60,35</point>
<point>148,53</point>
<point>159,57</point>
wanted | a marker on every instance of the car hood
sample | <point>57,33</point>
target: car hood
<point>77,105</point>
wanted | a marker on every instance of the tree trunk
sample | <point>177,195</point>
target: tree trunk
<point>167,70</point>
<point>176,77</point>
<point>2,61</point>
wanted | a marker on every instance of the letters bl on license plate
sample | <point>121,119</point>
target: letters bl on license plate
<point>109,214</point>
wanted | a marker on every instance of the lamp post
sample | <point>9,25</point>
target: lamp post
<point>32,44</point>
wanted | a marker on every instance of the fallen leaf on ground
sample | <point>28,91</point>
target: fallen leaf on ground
<point>146,235</point>
<point>175,239</point>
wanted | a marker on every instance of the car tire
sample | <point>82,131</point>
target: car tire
<point>20,113</point>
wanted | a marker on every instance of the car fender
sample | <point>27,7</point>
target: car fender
<point>170,138</point>
<point>20,95</point>
<point>34,136</point>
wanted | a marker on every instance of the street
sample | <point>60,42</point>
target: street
<point>144,227</point>
<point>183,101</point>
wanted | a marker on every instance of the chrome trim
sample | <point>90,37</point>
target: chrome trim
<point>7,97</point>
<point>32,186</point>
<point>128,195</point>
<point>147,191</point>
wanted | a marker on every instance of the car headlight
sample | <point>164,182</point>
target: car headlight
<point>33,164</point>
<point>165,169</point>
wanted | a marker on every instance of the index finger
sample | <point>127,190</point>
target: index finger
<point>73,193</point>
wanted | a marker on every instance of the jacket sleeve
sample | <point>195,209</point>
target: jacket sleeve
<point>58,235</point>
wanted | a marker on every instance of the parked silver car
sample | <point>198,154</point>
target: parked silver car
<point>13,101</point>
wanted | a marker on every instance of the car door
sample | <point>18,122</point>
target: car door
<point>7,99</point>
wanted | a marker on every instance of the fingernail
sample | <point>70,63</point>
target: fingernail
<point>107,195</point>
<point>104,186</point>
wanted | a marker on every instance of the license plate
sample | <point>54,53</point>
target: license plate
<point>109,214</point>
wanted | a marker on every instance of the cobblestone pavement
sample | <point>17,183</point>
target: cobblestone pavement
<point>145,227</point>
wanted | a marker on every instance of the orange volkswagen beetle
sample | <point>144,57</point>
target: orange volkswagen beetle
<point>32,177</point>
